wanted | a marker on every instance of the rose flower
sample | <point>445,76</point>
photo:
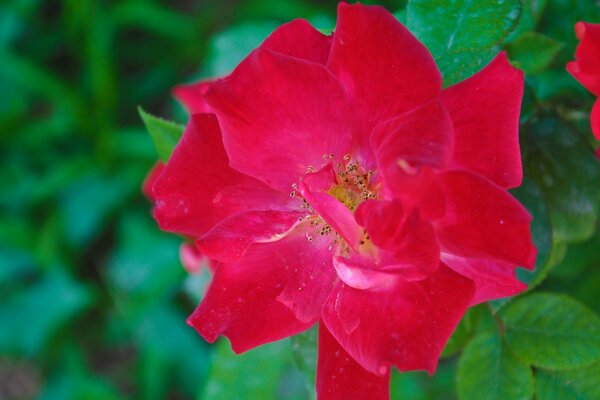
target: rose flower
<point>332,181</point>
<point>587,67</point>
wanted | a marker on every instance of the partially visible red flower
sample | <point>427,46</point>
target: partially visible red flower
<point>191,258</point>
<point>586,68</point>
<point>335,182</point>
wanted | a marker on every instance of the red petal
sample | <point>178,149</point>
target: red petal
<point>406,326</point>
<point>228,240</point>
<point>485,111</point>
<point>384,68</point>
<point>279,115</point>
<point>148,185</point>
<point>493,279</point>
<point>197,188</point>
<point>403,233</point>
<point>587,67</point>
<point>339,377</point>
<point>406,145</point>
<point>275,291</point>
<point>299,39</point>
<point>484,221</point>
<point>191,96</point>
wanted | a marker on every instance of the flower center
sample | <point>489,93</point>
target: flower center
<point>353,184</point>
<point>349,184</point>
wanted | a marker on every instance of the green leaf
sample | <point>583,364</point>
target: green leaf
<point>562,163</point>
<point>552,331</point>
<point>487,370</point>
<point>237,377</point>
<point>533,51</point>
<point>462,34</point>
<point>165,134</point>
<point>576,384</point>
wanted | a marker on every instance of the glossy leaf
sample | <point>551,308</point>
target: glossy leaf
<point>552,331</point>
<point>488,370</point>
<point>448,30</point>
<point>579,384</point>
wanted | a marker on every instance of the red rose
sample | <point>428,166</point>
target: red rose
<point>335,182</point>
<point>587,67</point>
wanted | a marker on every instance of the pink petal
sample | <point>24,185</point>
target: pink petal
<point>191,258</point>
<point>407,325</point>
<point>406,145</point>
<point>279,115</point>
<point>275,291</point>
<point>485,111</point>
<point>300,39</point>
<point>191,96</point>
<point>197,188</point>
<point>483,221</point>
<point>493,279</point>
<point>383,67</point>
<point>410,239</point>
<point>148,185</point>
<point>228,240</point>
<point>339,377</point>
<point>360,273</point>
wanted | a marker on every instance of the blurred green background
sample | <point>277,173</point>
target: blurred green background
<point>93,299</point>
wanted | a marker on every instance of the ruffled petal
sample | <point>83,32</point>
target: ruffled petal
<point>197,188</point>
<point>407,325</point>
<point>485,110</point>
<point>276,290</point>
<point>383,67</point>
<point>279,115</point>
<point>403,233</point>
<point>483,221</point>
<point>191,96</point>
<point>332,211</point>
<point>228,240</point>
<point>409,146</point>
<point>298,38</point>
<point>340,377</point>
<point>493,279</point>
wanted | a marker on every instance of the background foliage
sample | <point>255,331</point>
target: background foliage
<point>92,296</point>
